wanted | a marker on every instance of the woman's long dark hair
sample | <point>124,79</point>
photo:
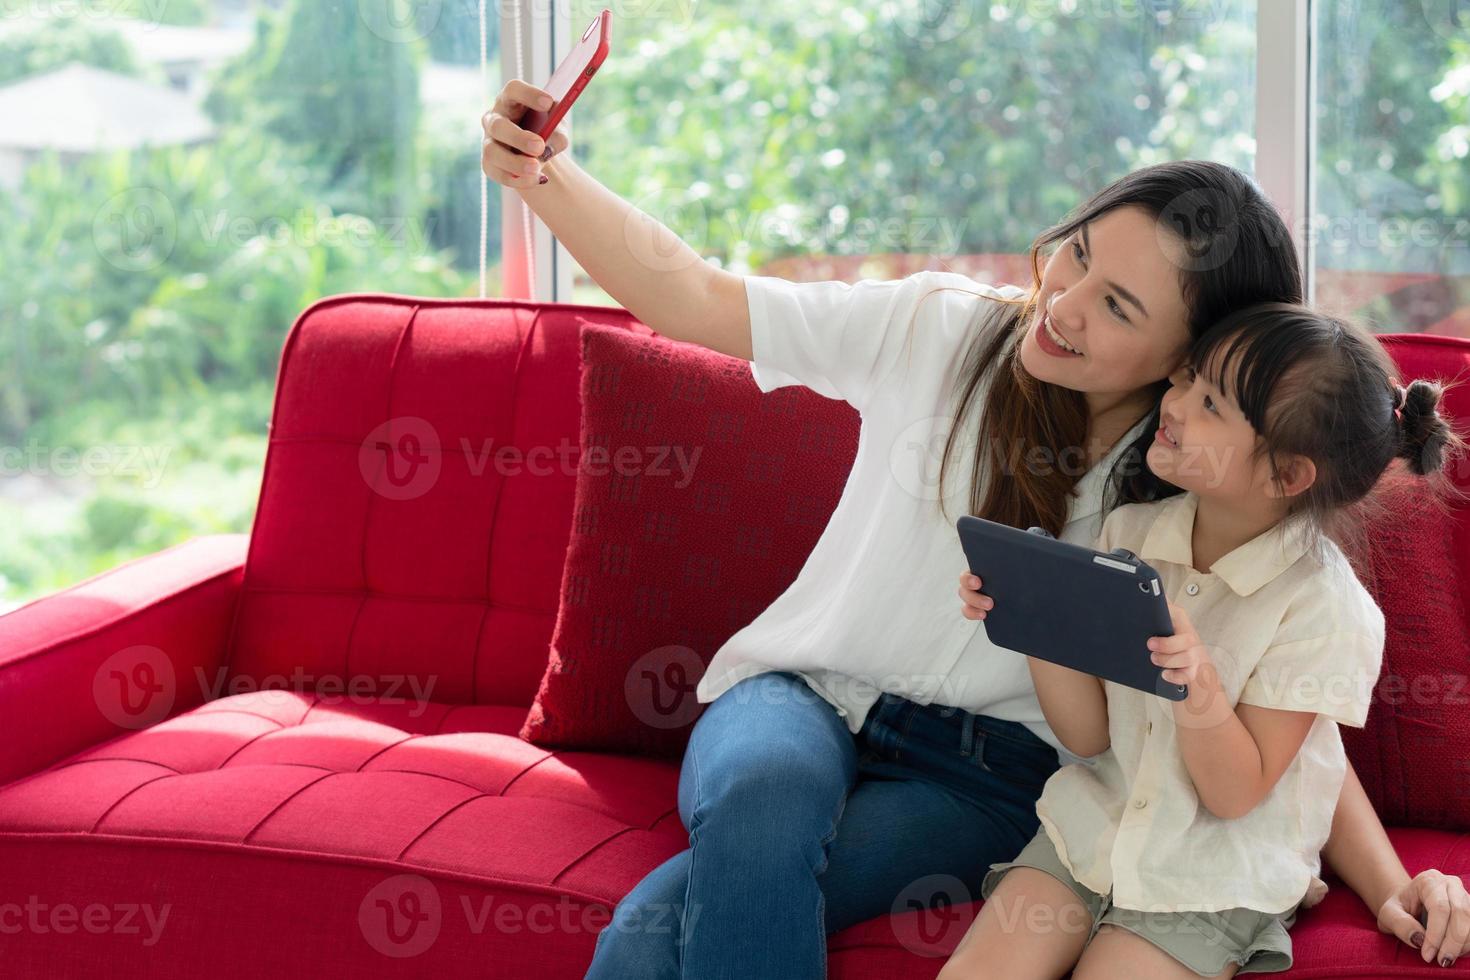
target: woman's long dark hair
<point>1236,251</point>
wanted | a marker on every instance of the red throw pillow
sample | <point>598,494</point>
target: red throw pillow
<point>698,499</point>
<point>1413,757</point>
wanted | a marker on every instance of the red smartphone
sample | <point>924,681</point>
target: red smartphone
<point>571,77</point>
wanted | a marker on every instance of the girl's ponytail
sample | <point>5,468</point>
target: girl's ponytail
<point>1423,433</point>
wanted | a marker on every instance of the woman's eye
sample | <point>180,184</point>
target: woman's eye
<point>1077,251</point>
<point>1117,310</point>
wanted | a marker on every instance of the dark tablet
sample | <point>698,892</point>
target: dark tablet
<point>1071,605</point>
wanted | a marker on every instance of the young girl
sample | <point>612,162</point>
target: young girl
<point>1189,836</point>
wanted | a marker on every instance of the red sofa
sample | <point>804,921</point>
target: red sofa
<point>167,811</point>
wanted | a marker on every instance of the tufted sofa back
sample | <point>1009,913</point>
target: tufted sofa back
<point>417,499</point>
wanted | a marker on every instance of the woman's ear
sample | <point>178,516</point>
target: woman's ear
<point>1294,475</point>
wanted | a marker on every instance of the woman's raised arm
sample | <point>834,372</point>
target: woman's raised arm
<point>643,265</point>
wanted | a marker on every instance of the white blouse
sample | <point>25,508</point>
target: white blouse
<point>875,608</point>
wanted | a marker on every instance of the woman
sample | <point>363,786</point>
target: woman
<point>861,737</point>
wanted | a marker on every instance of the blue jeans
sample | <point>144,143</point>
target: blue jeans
<point>798,829</point>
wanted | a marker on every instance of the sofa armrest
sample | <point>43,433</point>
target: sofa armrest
<point>117,652</point>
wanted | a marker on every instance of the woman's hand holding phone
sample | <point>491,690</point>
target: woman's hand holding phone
<point>511,155</point>
<point>522,129</point>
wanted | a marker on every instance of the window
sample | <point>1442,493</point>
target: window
<point>840,140</point>
<point>175,193</point>
<point>1391,237</point>
<point>180,190</point>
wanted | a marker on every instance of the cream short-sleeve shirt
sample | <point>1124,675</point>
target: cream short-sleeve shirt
<point>1287,627</point>
<point>874,608</point>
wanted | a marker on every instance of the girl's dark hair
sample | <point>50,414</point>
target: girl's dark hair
<point>1236,251</point>
<point>1323,387</point>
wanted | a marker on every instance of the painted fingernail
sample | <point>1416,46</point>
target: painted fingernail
<point>1417,939</point>
<point>543,179</point>
<point>1445,961</point>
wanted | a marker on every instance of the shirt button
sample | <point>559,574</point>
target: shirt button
<point>1140,803</point>
<point>1192,588</point>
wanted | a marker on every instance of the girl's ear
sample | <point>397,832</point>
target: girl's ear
<point>1294,474</point>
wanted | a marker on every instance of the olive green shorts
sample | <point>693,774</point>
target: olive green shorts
<point>1205,942</point>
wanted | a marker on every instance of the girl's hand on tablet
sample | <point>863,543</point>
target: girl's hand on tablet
<point>1182,655</point>
<point>974,604</point>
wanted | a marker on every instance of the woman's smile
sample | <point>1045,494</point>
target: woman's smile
<point>1050,340</point>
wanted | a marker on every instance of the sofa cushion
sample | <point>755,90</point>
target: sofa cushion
<point>215,810</point>
<point>1413,757</point>
<point>698,499</point>
<point>281,833</point>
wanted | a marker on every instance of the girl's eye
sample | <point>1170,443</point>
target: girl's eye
<point>1077,251</point>
<point>1210,405</point>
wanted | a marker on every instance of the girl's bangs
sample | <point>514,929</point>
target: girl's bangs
<point>1247,357</point>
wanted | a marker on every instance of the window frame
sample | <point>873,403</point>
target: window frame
<point>1286,36</point>
<point>545,34</point>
